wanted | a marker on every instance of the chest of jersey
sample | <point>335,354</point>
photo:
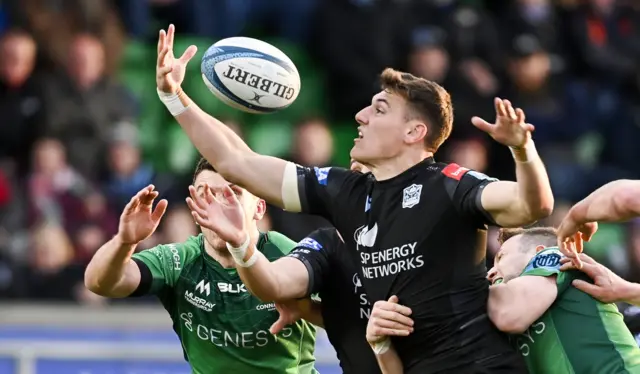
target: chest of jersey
<point>214,305</point>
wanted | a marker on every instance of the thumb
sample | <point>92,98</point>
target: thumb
<point>278,325</point>
<point>482,124</point>
<point>161,208</point>
<point>188,54</point>
<point>586,287</point>
<point>393,299</point>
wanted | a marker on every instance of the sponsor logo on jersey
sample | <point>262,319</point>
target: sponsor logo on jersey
<point>310,243</point>
<point>268,307</point>
<point>363,300</point>
<point>366,236</point>
<point>480,176</point>
<point>198,302</point>
<point>454,171</point>
<point>231,287</point>
<point>549,261</point>
<point>322,174</point>
<point>411,196</point>
<point>176,257</point>
<point>204,288</point>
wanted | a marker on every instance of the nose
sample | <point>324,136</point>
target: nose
<point>361,117</point>
<point>491,275</point>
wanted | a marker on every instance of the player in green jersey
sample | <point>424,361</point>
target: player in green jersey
<point>222,328</point>
<point>557,328</point>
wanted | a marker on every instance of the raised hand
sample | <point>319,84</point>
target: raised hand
<point>219,210</point>
<point>571,235</point>
<point>510,128</point>
<point>138,221</point>
<point>288,312</point>
<point>170,71</point>
<point>607,286</point>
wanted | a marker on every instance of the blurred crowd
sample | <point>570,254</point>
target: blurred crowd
<point>72,147</point>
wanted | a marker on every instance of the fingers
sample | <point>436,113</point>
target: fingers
<point>577,239</point>
<point>208,194</point>
<point>198,199</point>
<point>392,307</point>
<point>162,48</point>
<point>165,70</point>
<point>482,124</point>
<point>134,203</point>
<point>588,259</point>
<point>385,331</point>
<point>520,115</point>
<point>529,127</point>
<point>171,33</point>
<point>199,214</point>
<point>501,111</point>
<point>587,287</point>
<point>159,211</point>
<point>391,318</point>
<point>188,54</point>
<point>511,113</point>
<point>278,325</point>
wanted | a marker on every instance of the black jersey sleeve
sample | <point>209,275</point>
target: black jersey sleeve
<point>464,187</point>
<point>320,189</point>
<point>315,252</point>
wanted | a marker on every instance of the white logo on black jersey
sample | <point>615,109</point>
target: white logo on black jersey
<point>366,237</point>
<point>204,288</point>
<point>411,196</point>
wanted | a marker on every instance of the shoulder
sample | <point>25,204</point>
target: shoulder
<point>545,263</point>
<point>274,239</point>
<point>332,175</point>
<point>457,173</point>
<point>320,239</point>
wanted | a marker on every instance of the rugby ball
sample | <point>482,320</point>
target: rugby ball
<point>250,75</point>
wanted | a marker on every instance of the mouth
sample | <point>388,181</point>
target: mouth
<point>359,136</point>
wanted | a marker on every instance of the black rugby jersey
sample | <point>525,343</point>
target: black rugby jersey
<point>421,236</point>
<point>333,275</point>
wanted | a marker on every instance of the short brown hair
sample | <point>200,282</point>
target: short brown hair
<point>427,100</point>
<point>202,165</point>
<point>534,236</point>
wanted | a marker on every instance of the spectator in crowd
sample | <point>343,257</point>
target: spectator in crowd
<point>21,101</point>
<point>85,105</point>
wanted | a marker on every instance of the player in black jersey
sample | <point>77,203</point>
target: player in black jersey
<point>416,228</point>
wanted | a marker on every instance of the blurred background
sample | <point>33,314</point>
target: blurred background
<point>81,130</point>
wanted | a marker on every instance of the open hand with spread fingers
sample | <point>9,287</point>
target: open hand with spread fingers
<point>571,236</point>
<point>388,318</point>
<point>170,71</point>
<point>138,219</point>
<point>219,210</point>
<point>510,128</point>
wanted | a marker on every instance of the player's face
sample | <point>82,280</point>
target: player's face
<point>254,208</point>
<point>381,129</point>
<point>509,262</point>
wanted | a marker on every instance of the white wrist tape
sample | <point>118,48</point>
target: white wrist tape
<point>172,102</point>
<point>239,253</point>
<point>381,347</point>
<point>526,153</point>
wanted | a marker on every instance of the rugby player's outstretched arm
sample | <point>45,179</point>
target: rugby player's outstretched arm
<point>283,279</point>
<point>513,204</point>
<point>613,202</point>
<point>261,175</point>
<point>112,272</point>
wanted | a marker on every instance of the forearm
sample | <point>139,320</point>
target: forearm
<point>215,141</point>
<point>390,362</point>
<point>632,293</point>
<point>272,281</point>
<point>107,268</point>
<point>534,189</point>
<point>615,201</point>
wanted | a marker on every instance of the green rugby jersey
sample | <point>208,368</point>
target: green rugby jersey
<point>577,334</point>
<point>224,329</point>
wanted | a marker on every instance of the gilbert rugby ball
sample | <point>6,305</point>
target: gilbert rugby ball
<point>250,75</point>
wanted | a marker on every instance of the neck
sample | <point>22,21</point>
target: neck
<point>393,167</point>
<point>223,256</point>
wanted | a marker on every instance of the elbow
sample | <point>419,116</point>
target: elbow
<point>91,283</point>
<point>541,209</point>
<point>507,322</point>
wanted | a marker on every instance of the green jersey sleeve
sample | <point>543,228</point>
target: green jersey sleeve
<point>165,263</point>
<point>281,242</point>
<point>546,263</point>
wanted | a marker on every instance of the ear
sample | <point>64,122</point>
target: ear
<point>261,209</point>
<point>540,248</point>
<point>416,132</point>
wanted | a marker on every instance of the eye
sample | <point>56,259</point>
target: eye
<point>378,110</point>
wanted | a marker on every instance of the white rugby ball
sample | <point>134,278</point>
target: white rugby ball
<point>250,75</point>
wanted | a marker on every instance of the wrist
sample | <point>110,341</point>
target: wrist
<point>524,153</point>
<point>381,346</point>
<point>239,240</point>
<point>243,255</point>
<point>177,102</point>
<point>630,293</point>
<point>121,243</point>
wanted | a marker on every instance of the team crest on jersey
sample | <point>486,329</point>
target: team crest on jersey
<point>411,196</point>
